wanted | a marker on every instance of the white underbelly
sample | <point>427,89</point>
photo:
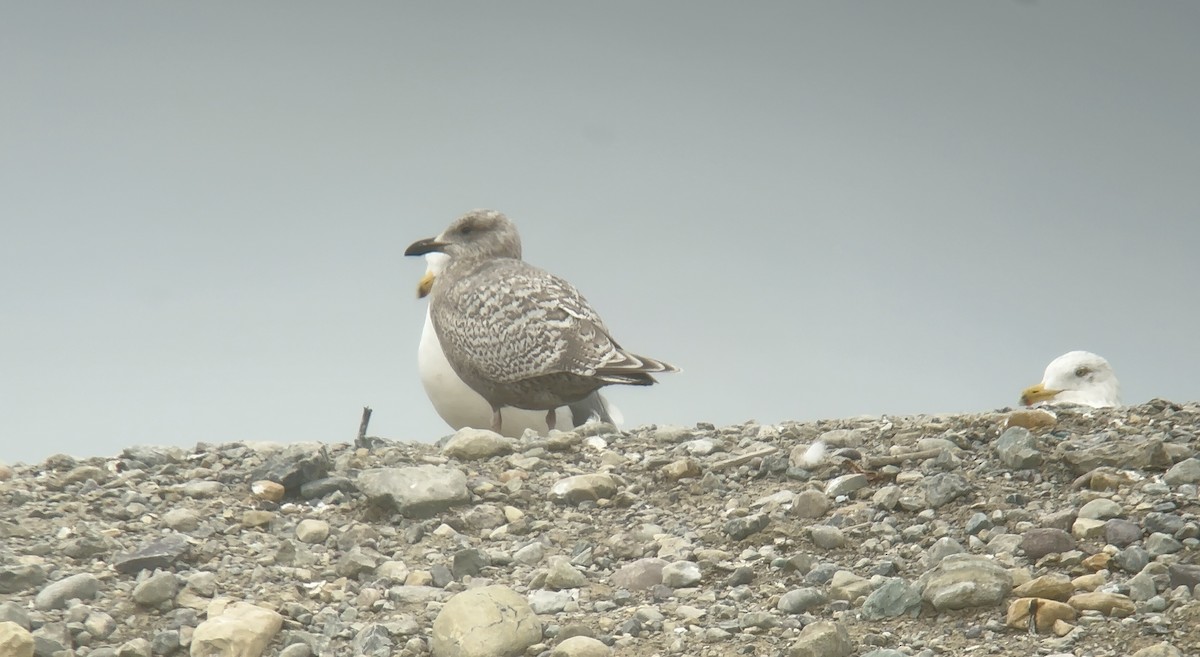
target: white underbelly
<point>460,406</point>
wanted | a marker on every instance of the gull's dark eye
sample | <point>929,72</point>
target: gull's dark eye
<point>466,229</point>
<point>1081,372</point>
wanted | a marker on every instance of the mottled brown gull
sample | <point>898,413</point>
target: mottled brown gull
<point>514,333</point>
<point>460,406</point>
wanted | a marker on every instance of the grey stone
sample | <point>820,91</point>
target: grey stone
<point>1018,449</point>
<point>530,555</point>
<point>1132,559</point>
<point>549,602</point>
<point>827,537</point>
<point>1100,509</point>
<point>798,601</point>
<point>1163,523</point>
<point>1158,544</point>
<point>810,504</point>
<point>84,586</point>
<point>417,491</point>
<point>1136,452</point>
<point>681,574</point>
<point>373,640</point>
<point>562,575</point>
<point>1041,541</point>
<point>942,548</point>
<point>822,639</point>
<point>639,575</point>
<point>99,624</point>
<point>1121,533</point>
<point>1161,649</point>
<point>894,598</point>
<point>469,563</point>
<point>1183,574</point>
<point>1186,471</point>
<point>52,638</point>
<point>1142,587</point>
<point>943,488</point>
<point>977,523</point>
<point>156,589</point>
<point>961,581</point>
<point>182,520</point>
<point>845,484</point>
<point>318,488</point>
<point>160,553</point>
<point>14,613</point>
<point>312,530</point>
<point>583,488</point>
<point>580,646</point>
<point>476,444</point>
<point>294,466</point>
<point>14,579</point>
<point>847,586</point>
<point>740,528</point>
<point>296,650</point>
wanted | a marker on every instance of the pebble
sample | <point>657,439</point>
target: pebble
<point>580,646</point>
<point>894,598</point>
<point>822,639</point>
<point>312,530</point>
<point>84,586</point>
<point>475,444</point>
<point>1039,542</point>
<point>681,574</point>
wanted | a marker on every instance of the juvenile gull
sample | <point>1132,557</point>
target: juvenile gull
<point>460,406</point>
<point>1076,377</point>
<point>514,333</point>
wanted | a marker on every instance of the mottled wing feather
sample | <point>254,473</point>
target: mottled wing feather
<point>513,321</point>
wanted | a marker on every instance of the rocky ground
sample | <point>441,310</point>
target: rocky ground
<point>994,534</point>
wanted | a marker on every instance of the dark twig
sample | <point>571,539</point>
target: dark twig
<point>362,427</point>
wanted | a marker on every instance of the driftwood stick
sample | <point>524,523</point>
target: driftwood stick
<point>876,461</point>
<point>744,458</point>
<point>362,426</point>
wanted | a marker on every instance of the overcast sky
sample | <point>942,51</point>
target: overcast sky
<point>815,210</point>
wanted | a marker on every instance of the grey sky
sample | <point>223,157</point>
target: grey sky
<point>816,210</point>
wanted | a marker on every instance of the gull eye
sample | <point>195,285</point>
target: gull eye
<point>1081,372</point>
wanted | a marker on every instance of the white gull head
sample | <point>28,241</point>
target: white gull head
<point>1076,377</point>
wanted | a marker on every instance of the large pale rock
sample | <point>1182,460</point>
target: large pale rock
<point>15,641</point>
<point>243,630</point>
<point>581,488</point>
<point>84,586</point>
<point>1045,612</point>
<point>475,444</point>
<point>822,639</point>
<point>416,492</point>
<point>581,646</point>
<point>1138,453</point>
<point>490,621</point>
<point>1109,604</point>
<point>963,580</point>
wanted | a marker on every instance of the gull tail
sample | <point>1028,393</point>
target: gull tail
<point>632,369</point>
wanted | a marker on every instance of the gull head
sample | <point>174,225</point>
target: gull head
<point>477,234</point>
<point>1076,377</point>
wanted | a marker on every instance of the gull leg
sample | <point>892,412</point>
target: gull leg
<point>496,419</point>
<point>550,420</point>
